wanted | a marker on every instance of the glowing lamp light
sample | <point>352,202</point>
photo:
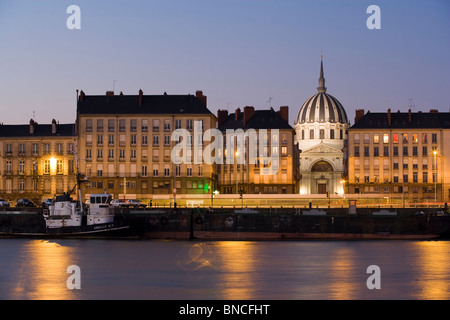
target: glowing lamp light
<point>53,164</point>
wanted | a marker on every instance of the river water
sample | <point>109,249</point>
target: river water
<point>183,270</point>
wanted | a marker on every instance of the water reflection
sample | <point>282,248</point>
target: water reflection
<point>43,275</point>
<point>342,275</point>
<point>433,264</point>
<point>237,261</point>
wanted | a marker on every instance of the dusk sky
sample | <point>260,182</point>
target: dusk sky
<point>238,52</point>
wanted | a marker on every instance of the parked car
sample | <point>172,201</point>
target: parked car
<point>119,203</point>
<point>25,203</point>
<point>4,203</point>
<point>135,203</point>
<point>46,203</point>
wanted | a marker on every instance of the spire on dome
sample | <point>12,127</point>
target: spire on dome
<point>321,88</point>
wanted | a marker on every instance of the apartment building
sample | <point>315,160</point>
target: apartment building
<point>125,144</point>
<point>36,160</point>
<point>403,155</point>
<point>242,174</point>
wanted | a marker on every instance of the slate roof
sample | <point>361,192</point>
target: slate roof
<point>40,130</point>
<point>151,104</point>
<point>261,119</point>
<point>400,120</point>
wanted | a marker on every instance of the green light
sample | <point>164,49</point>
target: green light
<point>216,192</point>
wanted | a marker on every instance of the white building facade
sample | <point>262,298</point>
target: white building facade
<point>321,134</point>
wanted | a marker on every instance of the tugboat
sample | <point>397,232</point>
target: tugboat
<point>66,218</point>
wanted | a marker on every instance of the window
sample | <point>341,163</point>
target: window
<point>133,154</point>
<point>376,138</point>
<point>166,172</point>
<point>415,177</point>
<point>434,138</point>
<point>144,171</point>
<point>35,149</point>
<point>356,138</point>
<point>415,151</point>
<point>111,125</point>
<point>99,154</point>
<point>46,166</point>
<point>395,138</point>
<point>284,151</point>
<point>122,125</point>
<point>144,125</point>
<point>100,140</point>
<point>366,151</point>
<point>385,138</point>
<point>144,141</point>
<point>366,138</point>
<point>111,154</point>
<point>322,134</point>
<point>357,151</point>
<point>376,152</point>
<point>133,125</point>
<point>122,154</point>
<point>155,141</point>
<point>405,151</point>
<point>405,138</point>
<point>88,125</point>
<point>405,178</point>
<point>166,125</point>
<point>100,125</point>
<point>46,148</point>
<point>415,139</point>
<point>88,154</point>
<point>177,124</point>
<point>21,167</point>
<point>59,167</point>
<point>22,149</point>
<point>386,151</point>
<point>424,150</point>
<point>178,170</point>
<point>189,124</point>
<point>22,185</point>
<point>395,151</point>
<point>424,138</point>
<point>331,133</point>
<point>133,139</point>
<point>311,134</point>
<point>155,125</point>
<point>189,172</point>
<point>166,140</point>
<point>425,177</point>
<point>111,139</point>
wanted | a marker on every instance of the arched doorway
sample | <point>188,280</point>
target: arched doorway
<point>321,168</point>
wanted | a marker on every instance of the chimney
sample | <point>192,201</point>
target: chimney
<point>82,96</point>
<point>238,113</point>
<point>284,113</point>
<point>359,114</point>
<point>248,114</point>
<point>32,124</point>
<point>222,116</point>
<point>109,93</point>
<point>141,93</point>
<point>389,117</point>
<point>434,111</point>
<point>199,95</point>
<point>53,126</point>
<point>409,116</point>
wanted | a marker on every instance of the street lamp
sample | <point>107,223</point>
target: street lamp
<point>235,171</point>
<point>435,175</point>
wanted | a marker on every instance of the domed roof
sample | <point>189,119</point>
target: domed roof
<point>322,107</point>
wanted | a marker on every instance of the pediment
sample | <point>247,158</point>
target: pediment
<point>322,148</point>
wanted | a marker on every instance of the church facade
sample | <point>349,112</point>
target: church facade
<point>321,134</point>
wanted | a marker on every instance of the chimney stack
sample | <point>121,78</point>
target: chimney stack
<point>82,96</point>
<point>222,116</point>
<point>284,113</point>
<point>248,113</point>
<point>389,117</point>
<point>359,114</point>
<point>409,116</point>
<point>199,95</point>
<point>434,111</point>
<point>109,93</point>
<point>32,124</point>
<point>141,94</point>
<point>53,126</point>
<point>238,113</point>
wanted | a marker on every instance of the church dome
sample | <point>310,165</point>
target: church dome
<point>322,107</point>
